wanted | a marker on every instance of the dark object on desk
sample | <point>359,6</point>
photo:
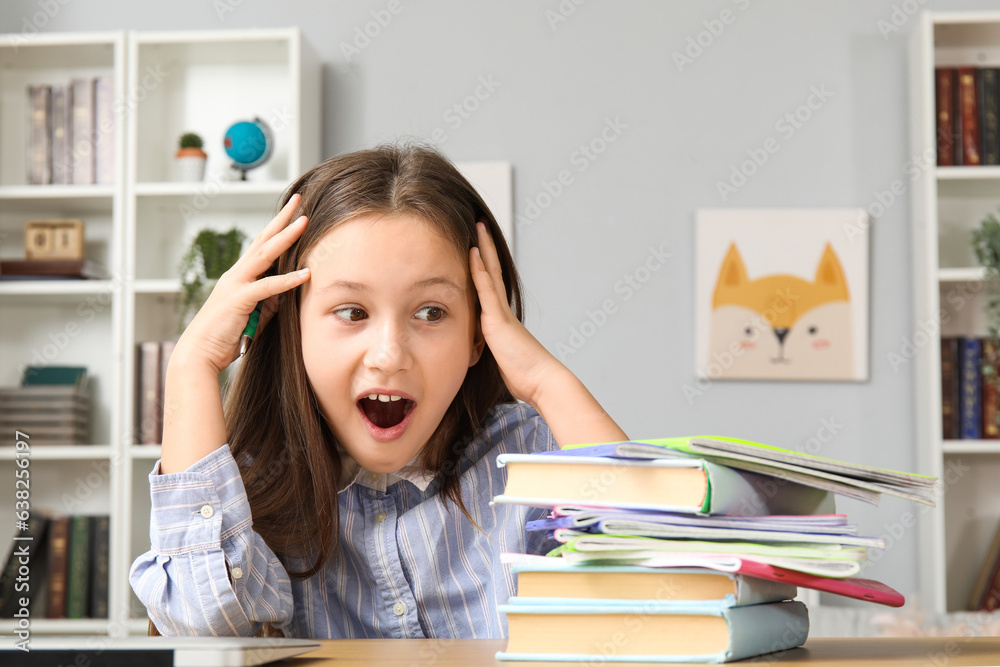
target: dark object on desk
<point>151,651</point>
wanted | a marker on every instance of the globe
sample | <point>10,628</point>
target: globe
<point>248,143</point>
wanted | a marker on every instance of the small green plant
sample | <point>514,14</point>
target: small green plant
<point>190,140</point>
<point>986,243</point>
<point>210,255</point>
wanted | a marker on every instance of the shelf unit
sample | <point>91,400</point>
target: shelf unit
<point>166,83</point>
<point>949,300</point>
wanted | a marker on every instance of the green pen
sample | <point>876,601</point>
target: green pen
<point>251,329</point>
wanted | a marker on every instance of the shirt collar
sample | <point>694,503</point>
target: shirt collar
<point>353,473</point>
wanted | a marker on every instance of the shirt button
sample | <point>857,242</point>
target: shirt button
<point>237,573</point>
<point>207,511</point>
<point>399,609</point>
<point>380,517</point>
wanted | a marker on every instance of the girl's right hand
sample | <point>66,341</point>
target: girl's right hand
<point>213,336</point>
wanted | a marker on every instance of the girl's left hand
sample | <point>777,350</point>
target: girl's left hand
<point>523,361</point>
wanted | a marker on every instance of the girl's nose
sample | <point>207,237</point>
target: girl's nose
<point>389,348</point>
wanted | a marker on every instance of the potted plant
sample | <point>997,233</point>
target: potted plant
<point>210,255</point>
<point>986,243</point>
<point>190,158</point>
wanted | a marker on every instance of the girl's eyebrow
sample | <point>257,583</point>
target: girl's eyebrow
<point>361,287</point>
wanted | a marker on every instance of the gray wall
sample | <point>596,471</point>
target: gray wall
<point>558,83</point>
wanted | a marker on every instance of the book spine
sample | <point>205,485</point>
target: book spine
<point>987,573</point>
<point>83,131</point>
<point>104,126</point>
<point>949,389</point>
<point>945,95</point>
<point>58,561</point>
<point>99,559</point>
<point>970,413</point>
<point>968,111</point>
<point>62,101</point>
<point>991,599</point>
<point>39,135</point>
<point>990,389</point>
<point>22,552</point>
<point>989,103</point>
<point>78,577</point>
<point>148,411</point>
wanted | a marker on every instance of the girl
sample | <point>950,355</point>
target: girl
<point>344,491</point>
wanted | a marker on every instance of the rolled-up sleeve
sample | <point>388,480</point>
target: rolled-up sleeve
<point>207,572</point>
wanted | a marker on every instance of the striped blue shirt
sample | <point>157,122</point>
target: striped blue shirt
<point>406,565</point>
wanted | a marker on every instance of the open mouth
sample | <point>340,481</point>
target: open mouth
<point>385,411</point>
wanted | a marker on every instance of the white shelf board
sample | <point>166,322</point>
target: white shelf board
<point>971,447</point>
<point>69,288</point>
<point>30,198</point>
<point>970,173</point>
<point>60,452</point>
<point>962,274</point>
<point>59,626</point>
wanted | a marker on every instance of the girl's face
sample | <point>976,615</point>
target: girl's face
<point>389,312</point>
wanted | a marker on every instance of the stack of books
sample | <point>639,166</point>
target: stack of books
<point>52,407</point>
<point>686,549</point>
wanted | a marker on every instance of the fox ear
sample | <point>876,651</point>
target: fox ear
<point>732,273</point>
<point>830,273</point>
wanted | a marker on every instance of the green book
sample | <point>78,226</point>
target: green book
<point>78,578</point>
<point>53,375</point>
<point>99,555</point>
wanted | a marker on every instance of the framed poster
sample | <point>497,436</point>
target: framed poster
<point>781,294</point>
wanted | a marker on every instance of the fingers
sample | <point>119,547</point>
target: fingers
<point>485,262</point>
<point>277,237</point>
<point>272,285</point>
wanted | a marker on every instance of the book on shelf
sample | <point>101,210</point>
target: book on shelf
<point>70,134</point>
<point>988,572</point>
<point>967,106</point>
<point>23,553</point>
<point>989,114</point>
<point>58,566</point>
<point>38,138</point>
<point>68,557</point>
<point>52,407</point>
<point>152,358</point>
<point>970,388</point>
<point>944,88</point>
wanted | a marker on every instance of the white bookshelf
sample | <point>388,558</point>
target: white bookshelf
<point>166,83</point>
<point>949,300</point>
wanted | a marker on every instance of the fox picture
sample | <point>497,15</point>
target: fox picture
<point>781,326</point>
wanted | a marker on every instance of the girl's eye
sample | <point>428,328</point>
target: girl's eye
<point>434,313</point>
<point>354,314</point>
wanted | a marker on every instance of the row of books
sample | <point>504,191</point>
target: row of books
<point>151,361</point>
<point>970,390</point>
<point>70,136</point>
<point>985,595</point>
<point>685,549</point>
<point>51,406</point>
<point>67,566</point>
<point>968,125</point>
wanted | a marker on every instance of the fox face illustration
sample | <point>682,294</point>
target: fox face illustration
<point>780,326</point>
